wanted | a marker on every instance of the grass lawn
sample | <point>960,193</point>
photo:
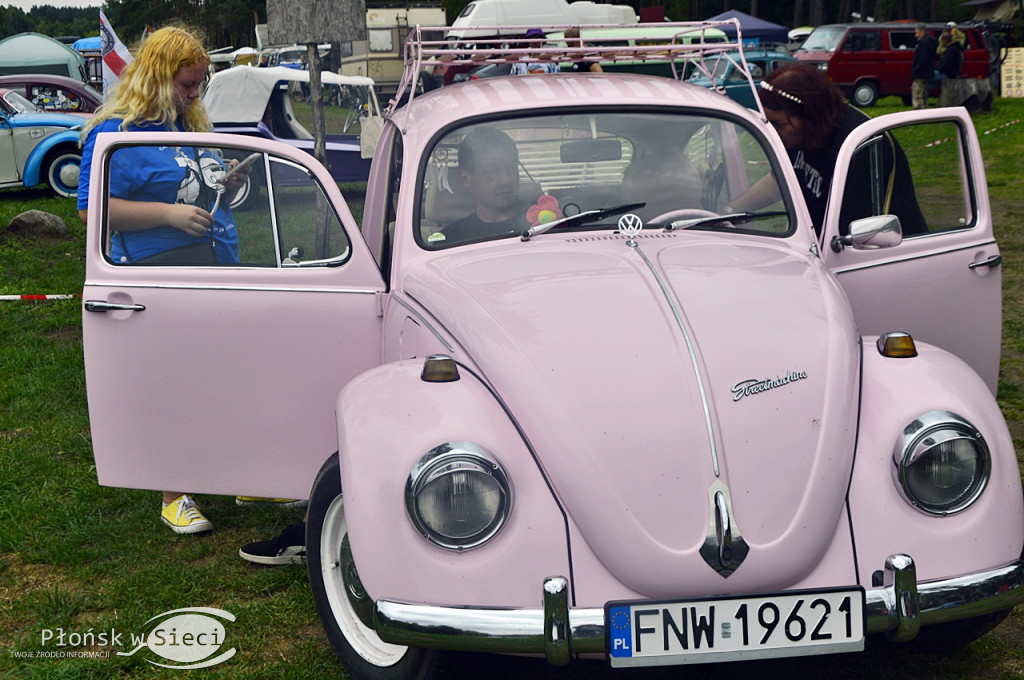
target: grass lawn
<point>82,559</point>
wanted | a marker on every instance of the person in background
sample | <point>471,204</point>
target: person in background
<point>525,66</point>
<point>958,35</point>
<point>573,39</point>
<point>951,60</point>
<point>923,69</point>
<point>304,66</point>
<point>160,197</point>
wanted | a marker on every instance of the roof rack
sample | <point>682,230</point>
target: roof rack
<point>698,42</point>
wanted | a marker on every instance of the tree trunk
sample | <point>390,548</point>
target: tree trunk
<point>316,93</point>
<point>817,12</point>
<point>798,13</point>
<point>845,11</point>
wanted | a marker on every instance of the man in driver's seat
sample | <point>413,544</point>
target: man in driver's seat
<point>489,169</point>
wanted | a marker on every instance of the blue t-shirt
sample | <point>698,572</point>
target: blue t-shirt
<point>164,174</point>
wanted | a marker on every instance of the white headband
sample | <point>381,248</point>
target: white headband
<point>768,86</point>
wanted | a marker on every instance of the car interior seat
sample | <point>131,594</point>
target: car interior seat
<point>664,182</point>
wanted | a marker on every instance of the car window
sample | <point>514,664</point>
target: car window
<point>54,98</point>
<point>493,180</point>
<point>929,190</point>
<point>823,39</point>
<point>19,104</point>
<point>863,40</point>
<point>279,218</point>
<point>736,75</point>
<point>902,40</point>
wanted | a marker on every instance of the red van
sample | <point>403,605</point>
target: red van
<point>868,61</point>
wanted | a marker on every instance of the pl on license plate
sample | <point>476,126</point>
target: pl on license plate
<point>798,623</point>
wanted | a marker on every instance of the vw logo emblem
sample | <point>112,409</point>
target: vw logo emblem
<point>630,225</point>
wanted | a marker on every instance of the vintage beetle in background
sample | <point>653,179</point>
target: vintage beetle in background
<point>648,432</point>
<point>38,146</point>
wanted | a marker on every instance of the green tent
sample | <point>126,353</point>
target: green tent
<point>37,53</point>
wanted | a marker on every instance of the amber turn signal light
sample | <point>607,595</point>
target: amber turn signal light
<point>897,345</point>
<point>439,368</point>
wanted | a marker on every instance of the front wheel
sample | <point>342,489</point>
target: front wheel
<point>864,95</point>
<point>332,579</point>
<point>62,168</point>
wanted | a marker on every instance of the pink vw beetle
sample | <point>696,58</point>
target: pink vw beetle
<point>622,422</point>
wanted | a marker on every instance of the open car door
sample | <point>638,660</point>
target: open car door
<point>222,378</point>
<point>942,282</point>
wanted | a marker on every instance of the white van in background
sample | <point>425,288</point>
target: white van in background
<point>515,17</point>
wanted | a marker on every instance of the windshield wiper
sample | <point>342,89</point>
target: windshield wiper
<point>580,218</point>
<point>733,217</point>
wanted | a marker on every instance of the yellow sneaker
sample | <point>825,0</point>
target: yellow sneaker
<point>279,502</point>
<point>182,515</point>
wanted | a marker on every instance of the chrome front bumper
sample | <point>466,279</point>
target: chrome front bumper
<point>899,609</point>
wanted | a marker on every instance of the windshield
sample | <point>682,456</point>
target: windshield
<point>719,68</point>
<point>823,39</point>
<point>496,180</point>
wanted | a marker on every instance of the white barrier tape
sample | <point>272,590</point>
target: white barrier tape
<point>1012,122</point>
<point>39,297</point>
<point>950,139</point>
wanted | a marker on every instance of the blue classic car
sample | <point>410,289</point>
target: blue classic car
<point>37,147</point>
<point>255,101</point>
<point>726,74</point>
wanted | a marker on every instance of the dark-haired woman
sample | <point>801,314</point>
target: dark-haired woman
<point>813,120</point>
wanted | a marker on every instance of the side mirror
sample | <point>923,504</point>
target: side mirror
<point>881,231</point>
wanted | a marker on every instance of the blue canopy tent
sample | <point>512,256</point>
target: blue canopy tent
<point>755,31</point>
<point>88,44</point>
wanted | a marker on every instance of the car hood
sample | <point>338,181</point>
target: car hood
<point>639,410</point>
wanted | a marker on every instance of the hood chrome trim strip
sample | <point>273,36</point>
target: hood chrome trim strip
<point>724,548</point>
<point>689,347</point>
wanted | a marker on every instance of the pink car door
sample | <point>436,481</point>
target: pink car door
<point>942,283</point>
<point>222,378</point>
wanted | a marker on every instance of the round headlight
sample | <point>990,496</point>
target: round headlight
<point>458,496</point>
<point>942,463</point>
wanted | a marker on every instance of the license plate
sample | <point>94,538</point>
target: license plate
<point>799,623</point>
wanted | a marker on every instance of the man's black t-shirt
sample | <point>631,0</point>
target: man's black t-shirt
<point>472,228</point>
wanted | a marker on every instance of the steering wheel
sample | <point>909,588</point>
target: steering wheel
<point>665,219</point>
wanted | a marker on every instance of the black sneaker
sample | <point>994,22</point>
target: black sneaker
<point>287,548</point>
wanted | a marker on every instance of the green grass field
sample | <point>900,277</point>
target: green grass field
<point>82,559</point>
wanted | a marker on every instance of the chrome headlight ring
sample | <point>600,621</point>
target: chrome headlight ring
<point>942,463</point>
<point>458,496</point>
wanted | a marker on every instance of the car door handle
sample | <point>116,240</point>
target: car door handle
<point>100,306</point>
<point>993,261</point>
